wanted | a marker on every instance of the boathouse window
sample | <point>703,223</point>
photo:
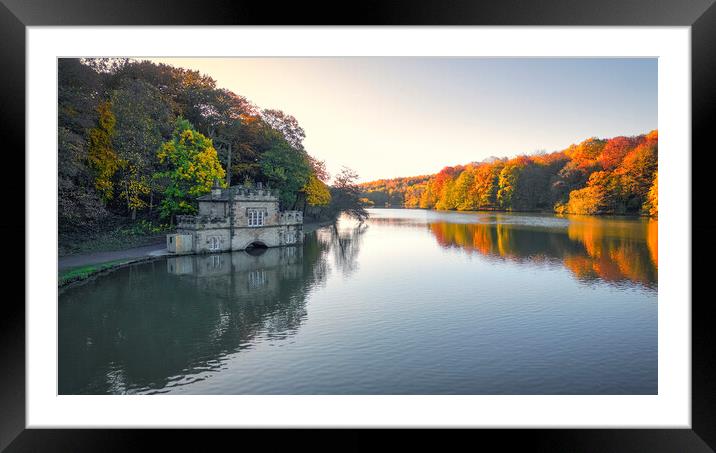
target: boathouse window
<point>257,279</point>
<point>214,243</point>
<point>256,217</point>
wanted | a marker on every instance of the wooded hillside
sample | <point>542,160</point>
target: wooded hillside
<point>139,141</point>
<point>597,176</point>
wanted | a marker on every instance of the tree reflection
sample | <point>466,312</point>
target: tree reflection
<point>344,240</point>
<point>155,325</point>
<point>593,248</point>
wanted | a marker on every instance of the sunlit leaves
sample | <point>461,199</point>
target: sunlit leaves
<point>317,192</point>
<point>101,156</point>
<point>190,167</point>
<point>596,176</point>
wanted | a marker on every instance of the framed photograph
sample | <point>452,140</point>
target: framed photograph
<point>412,217</point>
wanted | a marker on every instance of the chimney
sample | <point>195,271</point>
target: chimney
<point>216,189</point>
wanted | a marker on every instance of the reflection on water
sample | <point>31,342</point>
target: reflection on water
<point>593,248</point>
<point>147,326</point>
<point>411,302</point>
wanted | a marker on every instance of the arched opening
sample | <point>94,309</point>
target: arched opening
<point>256,248</point>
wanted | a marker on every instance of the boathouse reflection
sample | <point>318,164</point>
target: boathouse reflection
<point>185,315</point>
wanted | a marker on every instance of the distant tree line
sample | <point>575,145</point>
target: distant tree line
<point>597,176</point>
<point>139,140</point>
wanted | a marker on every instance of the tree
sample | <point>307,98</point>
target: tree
<point>144,120</point>
<point>585,154</point>
<point>637,173</point>
<point>285,168</point>
<point>461,191</point>
<point>507,183</point>
<point>317,193</point>
<point>190,167</point>
<point>80,205</point>
<point>101,156</point>
<point>590,200</point>
<point>319,169</point>
<point>346,195</point>
<point>287,125</point>
<point>652,202</point>
<point>226,119</point>
<point>614,151</point>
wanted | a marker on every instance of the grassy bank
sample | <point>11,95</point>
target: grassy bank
<point>67,276</point>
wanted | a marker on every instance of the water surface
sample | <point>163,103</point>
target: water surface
<point>411,302</point>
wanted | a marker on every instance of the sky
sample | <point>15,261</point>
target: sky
<point>386,117</point>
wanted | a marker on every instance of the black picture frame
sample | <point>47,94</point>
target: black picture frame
<point>700,15</point>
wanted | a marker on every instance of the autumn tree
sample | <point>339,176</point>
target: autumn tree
<point>637,173</point>
<point>652,201</point>
<point>316,192</point>
<point>507,183</point>
<point>190,167</point>
<point>143,123</point>
<point>101,156</point>
<point>318,167</point>
<point>595,176</point>
<point>614,151</point>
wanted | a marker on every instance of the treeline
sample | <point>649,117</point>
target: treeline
<point>597,176</point>
<point>393,192</point>
<point>138,140</point>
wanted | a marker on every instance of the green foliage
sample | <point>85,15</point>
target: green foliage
<point>144,228</point>
<point>113,116</point>
<point>143,117</point>
<point>190,167</point>
<point>285,168</point>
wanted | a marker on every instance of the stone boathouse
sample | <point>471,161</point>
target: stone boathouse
<point>236,218</point>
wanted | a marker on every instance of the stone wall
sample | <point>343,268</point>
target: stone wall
<point>212,240</point>
<point>241,219</point>
<point>213,208</point>
<point>210,232</point>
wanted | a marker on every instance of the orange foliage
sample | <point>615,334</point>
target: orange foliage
<point>611,250</point>
<point>596,176</point>
<point>652,241</point>
<point>615,150</point>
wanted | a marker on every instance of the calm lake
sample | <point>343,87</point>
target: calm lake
<point>410,302</point>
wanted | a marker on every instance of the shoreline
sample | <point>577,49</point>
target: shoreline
<point>630,216</point>
<point>75,269</point>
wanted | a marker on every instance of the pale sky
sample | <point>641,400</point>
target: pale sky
<point>403,116</point>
